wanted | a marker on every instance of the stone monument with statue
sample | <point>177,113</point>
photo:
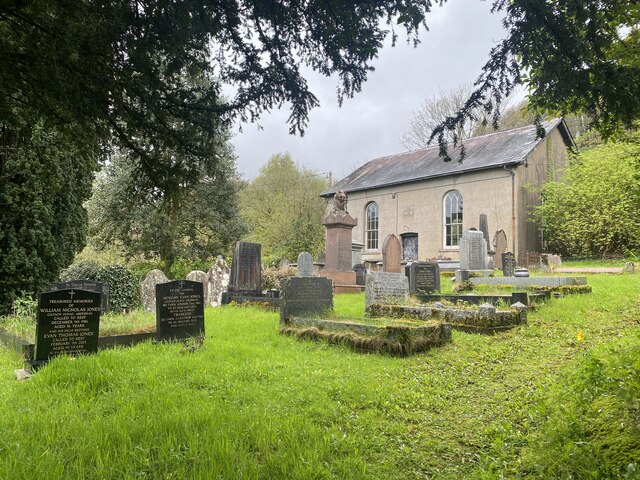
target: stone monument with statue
<point>338,258</point>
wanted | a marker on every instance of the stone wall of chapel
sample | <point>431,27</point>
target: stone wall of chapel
<point>418,208</point>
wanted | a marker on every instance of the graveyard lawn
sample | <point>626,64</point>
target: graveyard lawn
<point>250,403</point>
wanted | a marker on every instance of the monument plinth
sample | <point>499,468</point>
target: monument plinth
<point>338,258</point>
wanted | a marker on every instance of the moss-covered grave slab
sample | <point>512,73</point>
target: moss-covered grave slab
<point>394,338</point>
<point>482,319</point>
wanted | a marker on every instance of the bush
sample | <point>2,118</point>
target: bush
<point>123,287</point>
<point>84,270</point>
<point>271,277</point>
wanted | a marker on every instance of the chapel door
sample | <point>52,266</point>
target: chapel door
<point>410,247</point>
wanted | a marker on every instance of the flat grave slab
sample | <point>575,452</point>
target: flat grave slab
<point>530,281</point>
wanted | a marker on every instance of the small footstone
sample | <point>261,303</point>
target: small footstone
<point>22,374</point>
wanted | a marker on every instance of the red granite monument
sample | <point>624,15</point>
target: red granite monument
<point>338,261</point>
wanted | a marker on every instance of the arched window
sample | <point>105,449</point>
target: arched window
<point>371,226</point>
<point>452,218</point>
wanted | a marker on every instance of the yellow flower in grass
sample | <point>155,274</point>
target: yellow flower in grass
<point>580,335</point>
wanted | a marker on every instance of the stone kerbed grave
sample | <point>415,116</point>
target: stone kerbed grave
<point>305,297</point>
<point>482,319</point>
<point>394,339</point>
<point>526,298</point>
<point>525,282</point>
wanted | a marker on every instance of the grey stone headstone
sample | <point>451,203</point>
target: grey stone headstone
<point>385,287</point>
<point>218,281</point>
<point>203,278</point>
<point>305,265</point>
<point>508,264</point>
<point>473,251</point>
<point>246,269</point>
<point>148,289</point>
<point>304,296</point>
<point>67,323</point>
<point>461,275</point>
<point>356,252</point>
<point>103,288</point>
<point>499,246</point>
<point>179,309</point>
<point>424,277</point>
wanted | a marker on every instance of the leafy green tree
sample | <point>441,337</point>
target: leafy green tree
<point>579,56</point>
<point>44,180</point>
<point>283,209</point>
<point>195,220</point>
<point>121,68</point>
<point>595,209</point>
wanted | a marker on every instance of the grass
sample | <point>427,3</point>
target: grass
<point>253,404</point>
<point>111,324</point>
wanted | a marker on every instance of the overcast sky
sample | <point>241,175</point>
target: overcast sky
<point>370,125</point>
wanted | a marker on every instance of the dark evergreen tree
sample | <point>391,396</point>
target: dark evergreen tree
<point>44,179</point>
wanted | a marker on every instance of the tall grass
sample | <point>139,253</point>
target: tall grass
<point>253,404</point>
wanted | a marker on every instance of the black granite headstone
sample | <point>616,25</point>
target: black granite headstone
<point>361,273</point>
<point>300,296</point>
<point>424,277</point>
<point>102,288</point>
<point>67,323</point>
<point>508,264</point>
<point>246,275</point>
<point>179,309</point>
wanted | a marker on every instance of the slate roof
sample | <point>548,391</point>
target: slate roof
<point>510,147</point>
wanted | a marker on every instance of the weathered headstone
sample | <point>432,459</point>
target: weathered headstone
<point>361,272</point>
<point>67,323</point>
<point>508,264</point>
<point>246,274</point>
<point>385,287</point>
<point>305,265</point>
<point>218,275</point>
<point>424,277</point>
<point>461,276</point>
<point>103,288</point>
<point>302,296</point>
<point>284,263</point>
<point>203,278</point>
<point>499,246</point>
<point>484,228</point>
<point>392,254</point>
<point>356,252</point>
<point>473,251</point>
<point>179,309</point>
<point>148,289</point>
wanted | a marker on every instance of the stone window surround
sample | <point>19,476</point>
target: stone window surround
<point>445,198</point>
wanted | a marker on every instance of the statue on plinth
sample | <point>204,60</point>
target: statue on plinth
<point>340,203</point>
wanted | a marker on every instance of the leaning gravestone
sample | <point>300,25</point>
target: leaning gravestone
<point>305,265</point>
<point>508,264</point>
<point>385,287</point>
<point>102,288</point>
<point>483,226</point>
<point>218,281</point>
<point>246,274</point>
<point>473,251</point>
<point>392,254</point>
<point>179,309</point>
<point>203,278</point>
<point>148,289</point>
<point>424,277</point>
<point>303,296</point>
<point>67,323</point>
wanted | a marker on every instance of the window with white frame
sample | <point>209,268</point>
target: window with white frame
<point>452,218</point>
<point>371,226</point>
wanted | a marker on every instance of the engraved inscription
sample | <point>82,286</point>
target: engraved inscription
<point>179,309</point>
<point>67,323</point>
